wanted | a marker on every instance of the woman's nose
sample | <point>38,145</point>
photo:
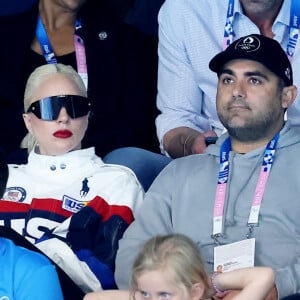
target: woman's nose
<point>63,116</point>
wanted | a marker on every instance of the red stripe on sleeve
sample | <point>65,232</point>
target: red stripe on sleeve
<point>107,211</point>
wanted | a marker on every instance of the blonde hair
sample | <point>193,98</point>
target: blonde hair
<point>178,255</point>
<point>35,79</point>
<point>45,71</point>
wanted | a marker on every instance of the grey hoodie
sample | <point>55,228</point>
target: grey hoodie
<point>181,199</point>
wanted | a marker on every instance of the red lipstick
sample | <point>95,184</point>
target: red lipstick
<point>63,134</point>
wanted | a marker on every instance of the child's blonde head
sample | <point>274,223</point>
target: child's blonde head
<point>176,254</point>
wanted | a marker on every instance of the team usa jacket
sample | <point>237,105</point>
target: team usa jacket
<point>75,209</point>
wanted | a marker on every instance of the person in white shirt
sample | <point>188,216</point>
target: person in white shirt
<point>191,32</point>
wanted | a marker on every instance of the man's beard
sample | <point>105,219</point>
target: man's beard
<point>255,129</point>
<point>248,133</point>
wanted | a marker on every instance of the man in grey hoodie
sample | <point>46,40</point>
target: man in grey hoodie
<point>244,189</point>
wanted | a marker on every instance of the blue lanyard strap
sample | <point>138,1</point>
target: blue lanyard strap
<point>228,30</point>
<point>45,43</point>
<point>294,28</point>
<point>224,161</point>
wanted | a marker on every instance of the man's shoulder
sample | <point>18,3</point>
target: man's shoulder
<point>201,6</point>
<point>193,14</point>
<point>192,162</point>
<point>289,137</point>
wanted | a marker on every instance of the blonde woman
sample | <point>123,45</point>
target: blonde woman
<point>66,200</point>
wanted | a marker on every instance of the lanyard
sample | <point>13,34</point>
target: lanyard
<point>220,196</point>
<point>294,27</point>
<point>228,30</point>
<point>48,52</point>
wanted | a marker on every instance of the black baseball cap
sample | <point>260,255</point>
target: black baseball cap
<point>260,48</point>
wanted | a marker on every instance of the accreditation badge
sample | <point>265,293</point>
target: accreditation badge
<point>234,256</point>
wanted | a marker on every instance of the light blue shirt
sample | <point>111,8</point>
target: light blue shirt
<point>26,275</point>
<point>190,33</point>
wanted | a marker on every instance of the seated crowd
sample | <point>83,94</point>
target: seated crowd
<point>123,184</point>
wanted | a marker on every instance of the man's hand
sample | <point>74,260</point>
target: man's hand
<point>183,141</point>
<point>198,144</point>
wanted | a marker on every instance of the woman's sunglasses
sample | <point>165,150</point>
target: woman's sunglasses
<point>48,108</point>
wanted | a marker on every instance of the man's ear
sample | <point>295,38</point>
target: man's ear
<point>289,94</point>
<point>197,291</point>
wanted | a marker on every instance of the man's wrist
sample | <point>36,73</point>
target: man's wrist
<point>186,143</point>
<point>179,142</point>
